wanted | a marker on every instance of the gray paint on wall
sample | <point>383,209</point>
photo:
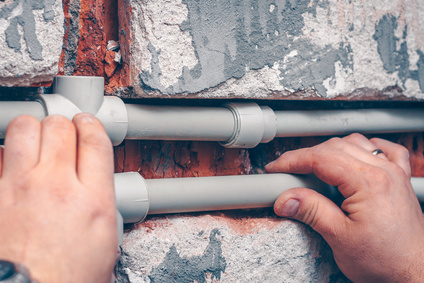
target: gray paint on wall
<point>71,47</point>
<point>232,37</point>
<point>394,51</point>
<point>150,77</point>
<point>175,268</point>
<point>27,21</point>
<point>420,72</point>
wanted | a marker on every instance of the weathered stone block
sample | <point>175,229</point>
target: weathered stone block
<point>232,246</point>
<point>31,38</point>
<point>225,247</point>
<point>268,49</point>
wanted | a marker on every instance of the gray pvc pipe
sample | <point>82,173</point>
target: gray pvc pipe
<point>224,192</point>
<point>179,123</point>
<point>220,124</point>
<point>12,109</point>
<point>336,122</point>
<point>418,185</point>
<point>136,197</point>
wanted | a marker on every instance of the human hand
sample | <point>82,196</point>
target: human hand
<point>378,233</point>
<point>57,203</point>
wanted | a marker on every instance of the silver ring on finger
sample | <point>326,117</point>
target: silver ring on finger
<point>377,151</point>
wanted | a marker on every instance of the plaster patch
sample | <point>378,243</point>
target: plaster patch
<point>241,42</point>
<point>379,42</point>
<point>168,49</point>
<point>231,38</point>
<point>21,13</point>
<point>254,84</point>
<point>30,41</point>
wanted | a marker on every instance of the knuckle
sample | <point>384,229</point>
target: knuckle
<point>333,141</point>
<point>310,216</point>
<point>58,122</point>
<point>403,152</point>
<point>355,137</point>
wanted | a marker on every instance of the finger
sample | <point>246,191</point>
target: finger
<point>58,143</point>
<point>329,163</point>
<point>21,145</point>
<point>95,152</point>
<point>313,209</point>
<point>367,145</point>
<point>395,153</point>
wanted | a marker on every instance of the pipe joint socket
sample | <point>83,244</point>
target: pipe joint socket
<point>254,124</point>
<point>85,94</point>
<point>132,198</point>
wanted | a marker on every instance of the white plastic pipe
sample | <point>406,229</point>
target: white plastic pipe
<point>136,197</point>
<point>235,125</point>
<point>224,192</point>
<point>179,123</point>
<point>336,122</point>
<point>12,109</point>
<point>242,125</point>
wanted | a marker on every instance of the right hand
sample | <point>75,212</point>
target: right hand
<point>377,235</point>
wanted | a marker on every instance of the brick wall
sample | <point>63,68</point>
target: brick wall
<point>291,54</point>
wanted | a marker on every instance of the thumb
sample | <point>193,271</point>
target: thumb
<point>313,209</point>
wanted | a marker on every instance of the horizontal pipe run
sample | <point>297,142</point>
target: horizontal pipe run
<point>236,125</point>
<point>224,192</point>
<point>340,122</point>
<point>179,123</point>
<point>12,109</point>
<point>137,197</point>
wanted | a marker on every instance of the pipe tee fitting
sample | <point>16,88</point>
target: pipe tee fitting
<point>75,95</point>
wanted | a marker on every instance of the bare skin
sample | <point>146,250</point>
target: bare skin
<point>56,199</point>
<point>378,233</point>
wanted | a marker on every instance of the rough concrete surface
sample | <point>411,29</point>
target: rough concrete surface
<point>31,36</point>
<point>256,48</point>
<point>225,247</point>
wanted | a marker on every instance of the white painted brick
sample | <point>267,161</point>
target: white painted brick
<point>245,49</point>
<point>31,39</point>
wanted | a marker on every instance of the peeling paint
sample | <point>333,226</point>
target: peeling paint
<point>20,13</point>
<point>231,38</point>
<point>245,48</point>
<point>394,51</point>
<point>73,35</point>
<point>31,37</point>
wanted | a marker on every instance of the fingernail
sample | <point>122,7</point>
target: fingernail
<point>290,208</point>
<point>86,117</point>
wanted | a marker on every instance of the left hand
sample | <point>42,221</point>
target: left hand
<point>57,202</point>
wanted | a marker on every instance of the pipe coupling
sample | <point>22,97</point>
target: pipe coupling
<point>254,124</point>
